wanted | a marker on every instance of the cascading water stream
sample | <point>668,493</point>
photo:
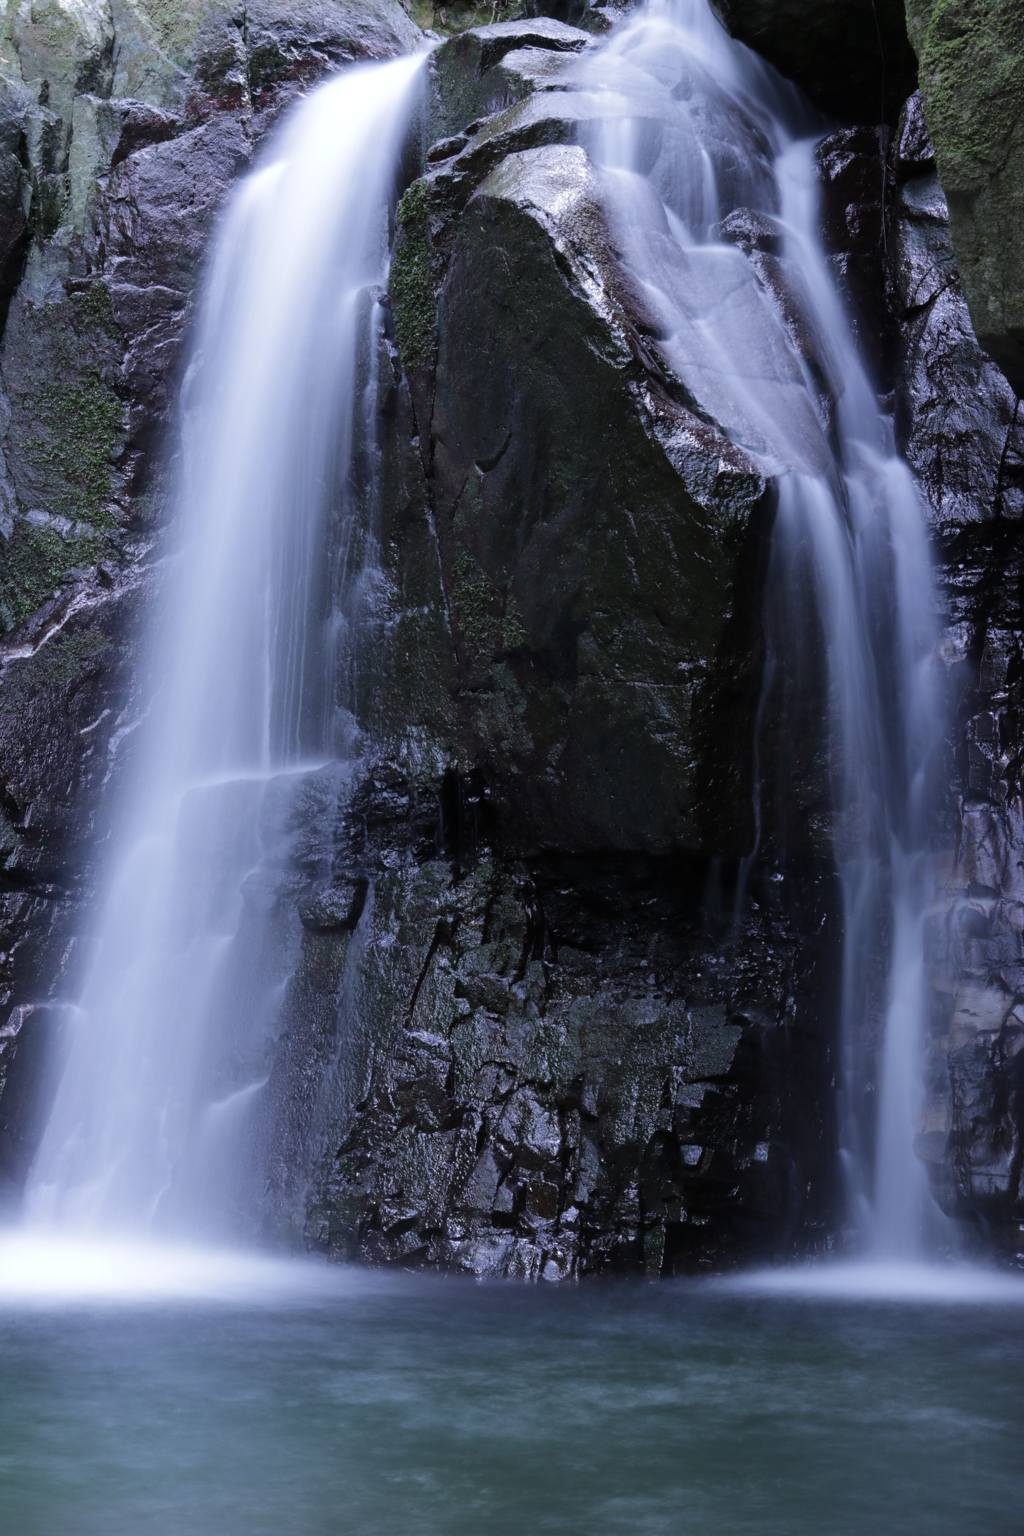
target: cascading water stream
<point>734,140</point>
<point>168,1045</point>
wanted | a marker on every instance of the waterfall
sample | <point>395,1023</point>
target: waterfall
<point>169,1042</point>
<point>734,177</point>
<point>249,739</point>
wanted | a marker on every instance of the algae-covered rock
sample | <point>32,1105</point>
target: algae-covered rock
<point>972,86</point>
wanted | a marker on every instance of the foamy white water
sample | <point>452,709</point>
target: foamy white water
<point>41,1269</point>
<point>170,1041</point>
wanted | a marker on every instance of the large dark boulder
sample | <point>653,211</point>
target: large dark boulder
<point>559,1055</point>
<point>595,494</point>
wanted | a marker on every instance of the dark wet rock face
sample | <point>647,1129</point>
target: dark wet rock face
<point>853,170</point>
<point>957,414</point>
<point>551,1067</point>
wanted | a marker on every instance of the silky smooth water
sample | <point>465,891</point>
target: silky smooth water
<point>412,1407</point>
<point>716,134</point>
<point>248,733</point>
<point>189,1392</point>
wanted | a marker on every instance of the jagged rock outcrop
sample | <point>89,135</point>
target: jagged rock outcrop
<point>972,86</point>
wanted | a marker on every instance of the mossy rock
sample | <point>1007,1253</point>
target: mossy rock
<point>34,561</point>
<point>60,364</point>
<point>413,279</point>
<point>971,55</point>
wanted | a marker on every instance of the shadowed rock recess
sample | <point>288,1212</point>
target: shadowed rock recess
<point>525,1035</point>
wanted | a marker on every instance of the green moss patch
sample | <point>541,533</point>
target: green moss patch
<point>67,429</point>
<point>61,661</point>
<point>85,429</point>
<point>412,281</point>
<point>473,600</point>
<point>972,55</point>
<point>33,562</point>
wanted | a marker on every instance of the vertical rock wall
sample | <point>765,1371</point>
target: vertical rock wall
<point>963,432</point>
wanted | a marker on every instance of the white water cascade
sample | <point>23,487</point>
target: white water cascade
<point>167,1048</point>
<point>850,566</point>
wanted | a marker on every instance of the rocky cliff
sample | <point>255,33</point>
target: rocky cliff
<point>524,1035</point>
